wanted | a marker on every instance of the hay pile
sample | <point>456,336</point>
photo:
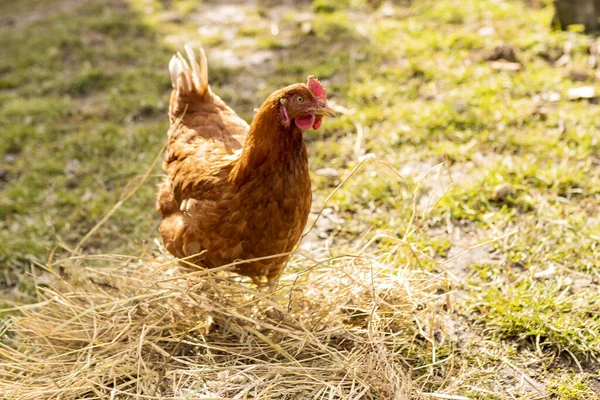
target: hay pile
<point>336,329</point>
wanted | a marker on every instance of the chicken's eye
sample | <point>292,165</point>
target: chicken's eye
<point>299,99</point>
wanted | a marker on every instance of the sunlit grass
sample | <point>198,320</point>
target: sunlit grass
<point>82,114</point>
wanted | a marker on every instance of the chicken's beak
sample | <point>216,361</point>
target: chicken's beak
<point>325,110</point>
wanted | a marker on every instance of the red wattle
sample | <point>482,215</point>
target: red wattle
<point>305,122</point>
<point>318,122</point>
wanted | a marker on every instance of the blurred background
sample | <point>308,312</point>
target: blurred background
<point>503,92</point>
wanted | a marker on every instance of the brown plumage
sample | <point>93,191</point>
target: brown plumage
<point>233,191</point>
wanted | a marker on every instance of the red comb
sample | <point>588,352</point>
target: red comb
<point>316,88</point>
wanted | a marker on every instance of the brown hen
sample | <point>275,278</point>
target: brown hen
<point>233,191</point>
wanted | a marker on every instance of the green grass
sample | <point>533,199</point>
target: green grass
<point>82,114</point>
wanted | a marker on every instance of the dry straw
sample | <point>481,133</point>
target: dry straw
<point>337,328</point>
<point>136,330</point>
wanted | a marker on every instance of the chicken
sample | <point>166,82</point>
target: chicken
<point>233,191</point>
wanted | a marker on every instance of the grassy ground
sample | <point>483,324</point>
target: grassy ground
<point>82,116</point>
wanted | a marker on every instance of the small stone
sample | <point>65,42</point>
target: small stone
<point>10,158</point>
<point>387,10</point>
<point>486,31</point>
<point>307,28</point>
<point>505,52</point>
<point>502,191</point>
<point>583,92</point>
<point>578,75</point>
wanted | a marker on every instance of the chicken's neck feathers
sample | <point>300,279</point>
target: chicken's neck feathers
<point>270,148</point>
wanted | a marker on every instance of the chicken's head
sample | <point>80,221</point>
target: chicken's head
<point>305,105</point>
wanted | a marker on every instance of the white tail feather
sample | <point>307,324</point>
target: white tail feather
<point>175,68</point>
<point>194,64</point>
<point>189,77</point>
<point>185,64</point>
<point>186,71</point>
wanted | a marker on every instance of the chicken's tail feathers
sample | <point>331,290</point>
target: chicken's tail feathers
<point>189,78</point>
